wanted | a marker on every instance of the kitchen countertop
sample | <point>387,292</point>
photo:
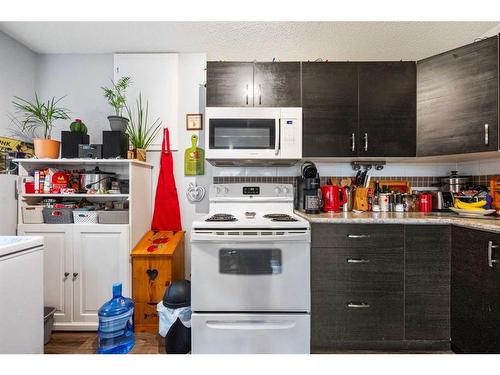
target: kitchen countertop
<point>436,218</point>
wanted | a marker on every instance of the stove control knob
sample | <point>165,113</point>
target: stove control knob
<point>277,190</point>
<point>225,190</point>
<point>285,190</point>
<point>217,190</point>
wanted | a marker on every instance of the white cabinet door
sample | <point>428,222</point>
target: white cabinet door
<point>57,267</point>
<point>101,258</point>
<point>155,76</point>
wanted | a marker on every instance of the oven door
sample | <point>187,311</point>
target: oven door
<point>250,276</point>
<point>251,333</point>
<point>251,133</point>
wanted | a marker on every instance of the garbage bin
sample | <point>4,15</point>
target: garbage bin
<point>175,317</point>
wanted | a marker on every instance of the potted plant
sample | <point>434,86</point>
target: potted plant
<point>116,99</point>
<point>141,132</point>
<point>70,140</point>
<point>37,118</point>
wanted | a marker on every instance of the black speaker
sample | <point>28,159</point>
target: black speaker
<point>70,142</point>
<point>114,144</point>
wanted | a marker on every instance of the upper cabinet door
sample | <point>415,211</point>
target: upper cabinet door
<point>457,100</point>
<point>330,109</point>
<point>229,84</point>
<point>276,84</point>
<point>387,109</point>
<point>155,77</point>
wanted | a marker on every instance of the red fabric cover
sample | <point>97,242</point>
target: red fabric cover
<point>166,214</point>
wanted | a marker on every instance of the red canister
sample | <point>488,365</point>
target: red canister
<point>425,202</point>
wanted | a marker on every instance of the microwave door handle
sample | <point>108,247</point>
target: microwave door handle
<point>277,137</point>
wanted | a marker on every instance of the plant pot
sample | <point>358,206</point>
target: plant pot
<point>118,123</point>
<point>46,148</point>
<point>140,154</point>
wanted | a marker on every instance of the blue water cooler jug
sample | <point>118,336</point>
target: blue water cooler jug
<point>116,327</point>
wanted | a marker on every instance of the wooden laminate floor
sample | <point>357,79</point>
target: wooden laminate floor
<point>86,343</point>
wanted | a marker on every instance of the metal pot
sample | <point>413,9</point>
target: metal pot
<point>454,183</point>
<point>96,181</point>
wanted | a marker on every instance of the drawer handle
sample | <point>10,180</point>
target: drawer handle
<point>355,305</point>
<point>357,260</point>
<point>358,236</point>
<point>490,254</point>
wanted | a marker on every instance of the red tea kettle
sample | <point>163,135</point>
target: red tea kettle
<point>333,197</point>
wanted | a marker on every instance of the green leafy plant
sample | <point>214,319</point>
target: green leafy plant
<point>37,115</point>
<point>140,132</point>
<point>116,95</point>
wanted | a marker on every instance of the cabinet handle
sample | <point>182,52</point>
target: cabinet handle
<point>357,260</point>
<point>247,95</point>
<point>260,95</point>
<point>490,254</point>
<point>355,305</point>
<point>486,134</point>
<point>66,274</point>
<point>358,236</point>
<point>366,141</point>
<point>353,142</point>
<point>75,275</point>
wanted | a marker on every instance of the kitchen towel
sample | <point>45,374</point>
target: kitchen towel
<point>166,214</point>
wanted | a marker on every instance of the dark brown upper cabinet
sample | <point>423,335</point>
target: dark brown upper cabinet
<point>248,84</point>
<point>457,100</point>
<point>229,84</point>
<point>330,109</point>
<point>387,109</point>
<point>359,109</point>
<point>276,84</point>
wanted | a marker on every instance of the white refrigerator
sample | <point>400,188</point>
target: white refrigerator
<point>8,205</point>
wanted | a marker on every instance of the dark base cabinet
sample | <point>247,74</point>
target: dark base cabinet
<point>475,291</point>
<point>379,287</point>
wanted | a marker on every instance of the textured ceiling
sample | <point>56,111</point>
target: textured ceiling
<point>252,40</point>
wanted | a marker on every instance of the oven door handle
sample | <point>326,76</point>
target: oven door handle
<point>250,324</point>
<point>277,137</point>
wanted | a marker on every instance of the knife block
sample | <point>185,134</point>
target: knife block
<point>361,199</point>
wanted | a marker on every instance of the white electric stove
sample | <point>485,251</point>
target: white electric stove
<point>250,272</point>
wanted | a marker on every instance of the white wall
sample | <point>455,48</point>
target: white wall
<point>80,78</point>
<point>17,77</point>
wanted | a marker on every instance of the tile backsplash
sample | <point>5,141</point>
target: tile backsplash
<point>415,181</point>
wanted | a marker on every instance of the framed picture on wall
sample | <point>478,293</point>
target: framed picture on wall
<point>194,121</point>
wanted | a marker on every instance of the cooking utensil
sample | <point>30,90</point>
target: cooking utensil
<point>96,180</point>
<point>454,183</point>
<point>334,181</point>
<point>346,181</point>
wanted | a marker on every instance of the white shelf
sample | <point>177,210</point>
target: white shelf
<point>74,195</point>
<point>82,161</point>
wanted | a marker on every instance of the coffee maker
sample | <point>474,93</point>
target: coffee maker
<point>308,192</point>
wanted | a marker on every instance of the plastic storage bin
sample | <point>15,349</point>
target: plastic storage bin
<point>113,217</point>
<point>85,217</point>
<point>116,328</point>
<point>57,215</point>
<point>32,214</point>
<point>48,323</point>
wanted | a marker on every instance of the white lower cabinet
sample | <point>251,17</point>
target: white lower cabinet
<point>81,262</point>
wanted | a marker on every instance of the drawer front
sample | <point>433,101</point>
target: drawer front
<point>357,235</point>
<point>370,316</point>
<point>341,270</point>
<point>150,278</point>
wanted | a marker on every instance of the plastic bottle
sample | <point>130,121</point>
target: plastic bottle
<point>116,328</point>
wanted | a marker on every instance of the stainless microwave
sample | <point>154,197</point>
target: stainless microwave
<point>253,136</point>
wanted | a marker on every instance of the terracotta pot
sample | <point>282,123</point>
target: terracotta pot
<point>46,148</point>
<point>140,154</point>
